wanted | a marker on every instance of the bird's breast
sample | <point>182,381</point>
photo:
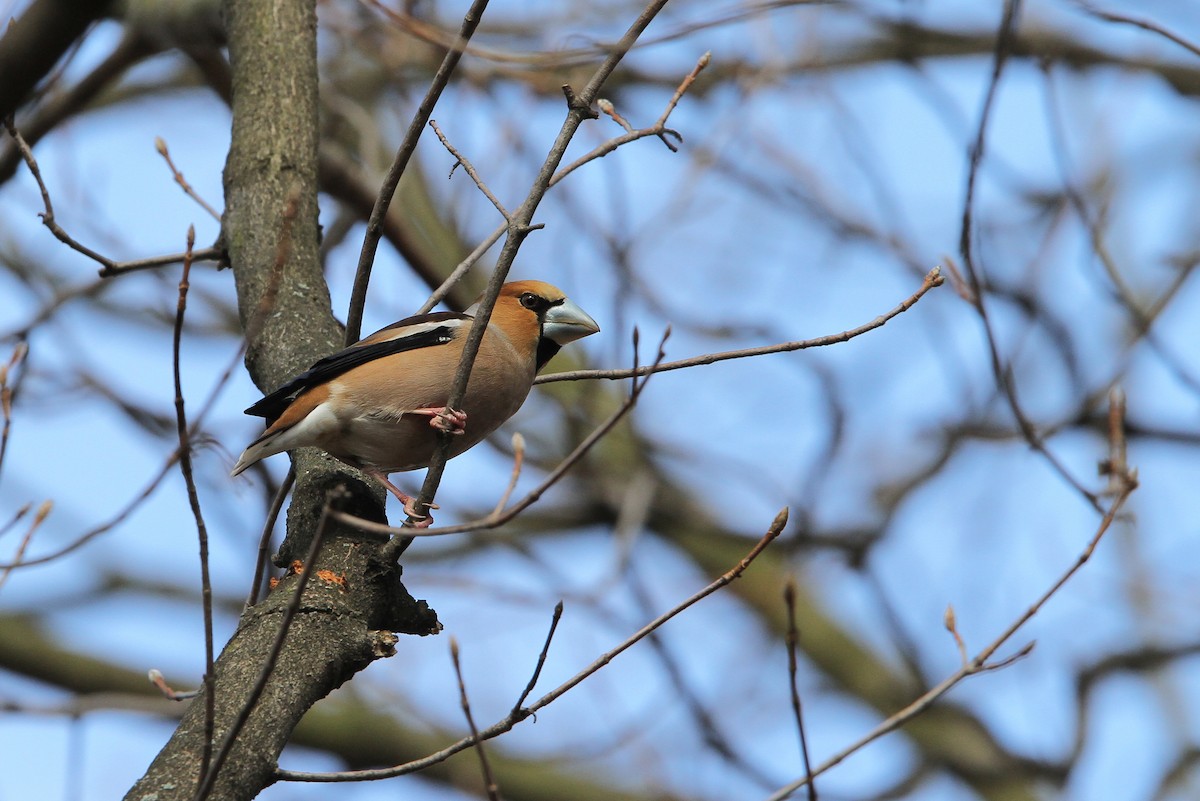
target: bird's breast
<point>378,429</point>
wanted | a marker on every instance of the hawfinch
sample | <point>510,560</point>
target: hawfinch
<point>378,404</point>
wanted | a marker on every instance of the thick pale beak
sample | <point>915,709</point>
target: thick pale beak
<point>566,322</point>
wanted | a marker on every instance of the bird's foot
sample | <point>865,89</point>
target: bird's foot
<point>410,503</point>
<point>451,421</point>
<point>419,520</point>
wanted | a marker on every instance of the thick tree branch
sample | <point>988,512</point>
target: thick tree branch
<point>344,618</point>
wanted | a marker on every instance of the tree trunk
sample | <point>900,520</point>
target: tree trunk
<point>353,600</point>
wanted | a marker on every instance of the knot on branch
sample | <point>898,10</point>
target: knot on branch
<point>576,104</point>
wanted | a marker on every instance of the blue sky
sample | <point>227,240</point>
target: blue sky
<point>731,242</point>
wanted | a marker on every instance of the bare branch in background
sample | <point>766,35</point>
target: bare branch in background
<point>189,478</point>
<point>775,529</point>
<point>109,267</point>
<point>161,147</point>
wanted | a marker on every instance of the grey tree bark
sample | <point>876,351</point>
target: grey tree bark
<point>353,601</point>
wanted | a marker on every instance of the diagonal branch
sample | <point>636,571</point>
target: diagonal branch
<point>366,258</point>
<point>523,713</point>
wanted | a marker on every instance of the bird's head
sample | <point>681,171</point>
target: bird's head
<point>543,310</point>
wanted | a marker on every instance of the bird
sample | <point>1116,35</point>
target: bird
<point>379,404</point>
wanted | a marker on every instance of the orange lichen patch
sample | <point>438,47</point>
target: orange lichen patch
<point>273,583</point>
<point>295,568</point>
<point>333,578</point>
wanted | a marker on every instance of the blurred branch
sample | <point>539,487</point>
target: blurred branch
<point>908,42</point>
<point>185,466</point>
<point>1005,44</point>
<point>39,517</point>
<point>11,375</point>
<point>657,129</point>
<point>888,41</point>
<point>355,732</point>
<point>366,258</point>
<point>793,639</point>
<point>109,266</point>
<point>947,735</point>
<point>151,486</point>
<point>34,42</point>
<point>103,528</point>
<point>708,723</point>
<point>559,60</point>
<point>1143,318</point>
<point>515,717</point>
<point>1144,24</point>
<point>63,105</point>
<point>489,779</point>
<point>978,664</point>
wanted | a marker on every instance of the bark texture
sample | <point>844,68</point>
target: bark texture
<point>354,600</point>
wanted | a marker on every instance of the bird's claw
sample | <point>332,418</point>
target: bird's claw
<point>410,503</point>
<point>451,421</point>
<point>418,520</point>
<point>415,520</point>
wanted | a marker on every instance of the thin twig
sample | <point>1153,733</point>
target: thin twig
<point>170,693</point>
<point>208,781</point>
<point>932,279</point>
<point>185,466</point>
<point>606,107</point>
<point>519,227</point>
<point>518,715</point>
<point>518,446</point>
<point>541,660</point>
<point>1144,24</point>
<point>153,484</point>
<point>979,664</point>
<point>602,150</point>
<point>1116,466</point>
<point>950,621</point>
<point>366,258</point>
<point>10,379</point>
<point>684,85</point>
<point>489,780</point>
<point>109,267</point>
<point>1004,379</point>
<point>793,641</point>
<point>42,513</point>
<point>16,518</point>
<point>48,215</point>
<point>264,540</point>
<point>471,171</point>
<point>704,720</point>
<point>659,128</point>
<point>116,268</point>
<point>161,147</point>
<point>636,341</point>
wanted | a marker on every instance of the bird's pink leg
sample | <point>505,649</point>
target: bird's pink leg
<point>445,419</point>
<point>410,503</point>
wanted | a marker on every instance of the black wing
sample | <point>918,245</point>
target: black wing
<point>273,405</point>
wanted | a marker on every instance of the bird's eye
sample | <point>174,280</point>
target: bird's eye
<point>531,301</point>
